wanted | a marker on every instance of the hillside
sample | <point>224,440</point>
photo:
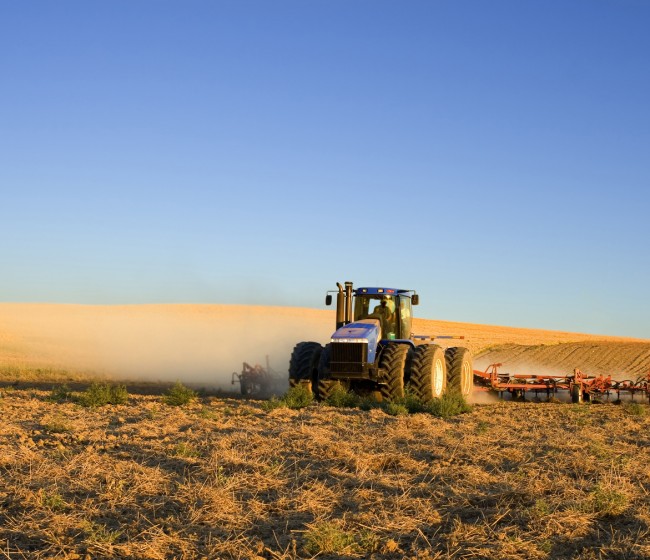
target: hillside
<point>206,343</point>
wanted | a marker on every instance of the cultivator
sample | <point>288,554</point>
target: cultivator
<point>257,381</point>
<point>580,386</point>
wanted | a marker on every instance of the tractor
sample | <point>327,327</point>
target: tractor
<point>374,352</point>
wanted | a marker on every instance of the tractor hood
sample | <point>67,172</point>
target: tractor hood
<point>364,331</point>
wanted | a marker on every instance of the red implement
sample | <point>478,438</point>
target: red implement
<point>581,386</point>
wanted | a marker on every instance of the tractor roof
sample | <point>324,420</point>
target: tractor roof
<point>380,291</point>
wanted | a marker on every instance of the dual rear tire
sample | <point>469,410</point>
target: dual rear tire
<point>428,372</point>
<point>460,370</point>
<point>433,371</point>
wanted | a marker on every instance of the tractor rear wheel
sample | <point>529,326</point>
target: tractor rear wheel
<point>393,363</point>
<point>428,372</point>
<point>460,370</point>
<point>303,366</point>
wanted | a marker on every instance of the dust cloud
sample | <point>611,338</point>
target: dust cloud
<point>205,344</point>
<point>478,396</point>
<point>521,367</point>
<point>197,344</point>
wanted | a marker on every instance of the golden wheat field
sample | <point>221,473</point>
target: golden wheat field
<point>223,477</point>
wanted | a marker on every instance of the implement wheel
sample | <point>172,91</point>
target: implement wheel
<point>576,394</point>
<point>392,364</point>
<point>460,370</point>
<point>428,372</point>
<point>303,367</point>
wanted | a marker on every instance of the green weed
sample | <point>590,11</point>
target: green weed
<point>56,426</point>
<point>186,450</point>
<point>606,502</point>
<point>368,403</point>
<point>412,402</point>
<point>101,394</point>
<point>342,398</point>
<point>207,413</point>
<point>179,394</point>
<point>60,393</point>
<point>482,427</point>
<point>52,501</point>
<point>295,398</point>
<point>98,533</point>
<point>450,404</point>
<point>635,409</point>
<point>395,409</point>
<point>328,538</point>
<point>298,397</point>
<point>540,509</point>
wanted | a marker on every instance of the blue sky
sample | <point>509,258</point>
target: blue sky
<point>492,155</point>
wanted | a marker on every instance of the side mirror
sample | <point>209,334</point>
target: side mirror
<point>328,299</point>
<point>415,299</point>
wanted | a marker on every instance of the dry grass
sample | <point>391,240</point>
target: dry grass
<point>221,478</point>
<point>225,478</point>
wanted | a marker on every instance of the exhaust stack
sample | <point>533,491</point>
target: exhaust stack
<point>343,304</point>
<point>340,304</point>
<point>348,303</point>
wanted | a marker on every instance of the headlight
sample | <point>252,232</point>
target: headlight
<point>357,340</point>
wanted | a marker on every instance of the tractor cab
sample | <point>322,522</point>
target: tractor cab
<point>389,306</point>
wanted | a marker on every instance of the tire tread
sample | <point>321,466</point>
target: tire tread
<point>393,362</point>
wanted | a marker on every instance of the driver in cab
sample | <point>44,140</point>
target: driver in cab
<point>385,312</point>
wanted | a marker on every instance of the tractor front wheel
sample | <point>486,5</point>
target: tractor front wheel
<point>324,385</point>
<point>303,366</point>
<point>392,364</point>
<point>428,372</point>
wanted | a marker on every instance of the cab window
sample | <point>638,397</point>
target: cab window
<point>364,306</point>
<point>405,316</point>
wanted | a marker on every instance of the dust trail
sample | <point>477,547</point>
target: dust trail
<point>200,344</point>
<point>482,397</point>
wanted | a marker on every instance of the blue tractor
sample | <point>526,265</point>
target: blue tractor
<point>373,351</point>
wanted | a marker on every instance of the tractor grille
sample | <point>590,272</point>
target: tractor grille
<point>348,358</point>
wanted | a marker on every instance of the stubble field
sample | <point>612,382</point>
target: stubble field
<point>228,478</point>
<point>223,478</point>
